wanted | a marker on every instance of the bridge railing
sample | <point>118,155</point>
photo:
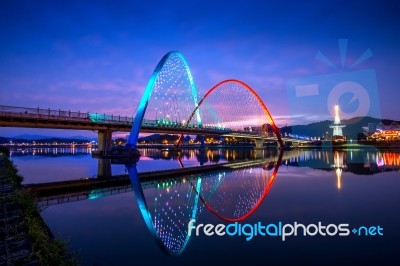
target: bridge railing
<point>112,119</point>
<point>39,113</point>
<point>50,114</point>
<point>196,128</point>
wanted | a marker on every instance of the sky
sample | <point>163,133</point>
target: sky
<point>97,56</point>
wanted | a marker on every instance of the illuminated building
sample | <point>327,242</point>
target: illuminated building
<point>386,135</point>
<point>337,126</point>
<point>386,132</point>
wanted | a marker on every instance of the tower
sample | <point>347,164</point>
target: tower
<point>337,126</point>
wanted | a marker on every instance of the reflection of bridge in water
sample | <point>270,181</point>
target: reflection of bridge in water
<point>105,185</point>
<point>169,199</point>
<point>232,191</point>
<point>90,188</point>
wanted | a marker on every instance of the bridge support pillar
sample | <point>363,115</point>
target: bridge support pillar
<point>105,141</point>
<point>202,157</point>
<point>259,154</point>
<point>259,143</point>
<point>104,168</point>
<point>202,143</point>
<point>291,144</point>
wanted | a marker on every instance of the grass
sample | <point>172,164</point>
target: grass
<point>46,248</point>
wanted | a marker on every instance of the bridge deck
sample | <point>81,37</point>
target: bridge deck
<point>11,116</point>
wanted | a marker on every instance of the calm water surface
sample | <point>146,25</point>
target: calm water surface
<point>357,187</point>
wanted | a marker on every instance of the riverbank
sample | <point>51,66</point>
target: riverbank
<point>25,238</point>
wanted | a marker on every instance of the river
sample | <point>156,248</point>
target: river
<point>322,192</point>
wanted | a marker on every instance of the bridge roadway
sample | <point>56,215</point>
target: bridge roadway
<point>11,116</point>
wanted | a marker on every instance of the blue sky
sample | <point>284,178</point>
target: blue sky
<point>98,55</point>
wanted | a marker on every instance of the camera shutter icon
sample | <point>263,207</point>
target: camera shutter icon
<point>313,97</point>
<point>358,92</point>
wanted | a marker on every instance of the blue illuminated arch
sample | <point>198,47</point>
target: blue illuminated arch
<point>144,210</point>
<point>141,110</point>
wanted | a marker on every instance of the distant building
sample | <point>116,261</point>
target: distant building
<point>392,126</point>
<point>252,129</point>
<point>384,132</point>
<point>371,127</point>
<point>337,126</point>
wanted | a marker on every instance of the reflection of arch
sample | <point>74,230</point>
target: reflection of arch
<point>256,205</point>
<point>150,223</point>
<point>253,93</point>
<point>141,110</point>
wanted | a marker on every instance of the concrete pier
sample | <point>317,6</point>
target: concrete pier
<point>105,141</point>
<point>104,168</point>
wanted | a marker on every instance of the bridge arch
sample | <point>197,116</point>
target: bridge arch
<point>246,106</point>
<point>259,196</point>
<point>170,95</point>
<point>171,236</point>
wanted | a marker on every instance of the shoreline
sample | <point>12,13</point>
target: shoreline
<point>28,240</point>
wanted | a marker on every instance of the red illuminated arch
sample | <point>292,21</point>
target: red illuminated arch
<point>244,85</point>
<point>256,205</point>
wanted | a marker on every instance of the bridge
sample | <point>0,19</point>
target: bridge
<point>13,116</point>
<point>169,104</point>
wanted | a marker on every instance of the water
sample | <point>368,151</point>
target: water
<point>355,187</point>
